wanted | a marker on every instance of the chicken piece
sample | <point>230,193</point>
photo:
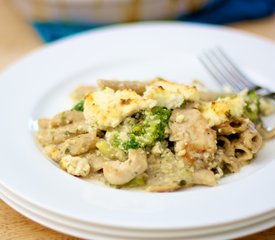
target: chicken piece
<point>137,86</point>
<point>119,173</point>
<point>192,136</point>
<point>76,166</point>
<point>79,144</point>
<point>59,135</point>
<point>96,161</point>
<point>204,177</point>
<point>65,118</point>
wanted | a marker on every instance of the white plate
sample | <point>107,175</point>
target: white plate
<point>109,235</point>
<point>39,84</point>
<point>31,210</point>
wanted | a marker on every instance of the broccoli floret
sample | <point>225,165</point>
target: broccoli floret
<point>79,107</point>
<point>131,143</point>
<point>252,108</point>
<point>163,114</point>
<point>142,130</point>
<point>116,142</point>
<point>151,126</point>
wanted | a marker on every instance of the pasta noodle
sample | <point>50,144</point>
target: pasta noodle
<point>251,139</point>
<point>233,126</point>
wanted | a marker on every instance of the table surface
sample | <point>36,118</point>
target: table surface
<point>17,39</point>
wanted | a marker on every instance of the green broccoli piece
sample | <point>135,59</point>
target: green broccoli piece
<point>131,143</point>
<point>109,151</point>
<point>138,181</point>
<point>116,141</point>
<point>252,107</point>
<point>163,114</point>
<point>151,127</point>
<point>143,129</point>
<point>79,107</point>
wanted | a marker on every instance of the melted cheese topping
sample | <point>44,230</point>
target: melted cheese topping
<point>108,108</point>
<point>170,94</point>
<point>218,111</point>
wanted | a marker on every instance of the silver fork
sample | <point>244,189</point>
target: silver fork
<point>225,71</point>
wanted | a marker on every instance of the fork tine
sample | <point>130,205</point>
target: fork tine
<point>229,77</point>
<point>213,73</point>
<point>243,79</point>
<point>231,74</point>
<point>214,65</point>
